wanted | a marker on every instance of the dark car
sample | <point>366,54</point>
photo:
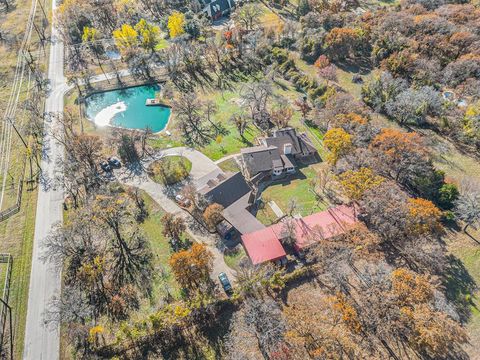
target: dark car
<point>225,283</point>
<point>114,162</point>
<point>106,166</point>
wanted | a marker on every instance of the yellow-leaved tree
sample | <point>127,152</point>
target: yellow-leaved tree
<point>356,182</point>
<point>126,38</point>
<point>176,23</point>
<point>338,142</point>
<point>149,34</point>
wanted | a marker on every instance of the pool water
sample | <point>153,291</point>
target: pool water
<point>126,108</point>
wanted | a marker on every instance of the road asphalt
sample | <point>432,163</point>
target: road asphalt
<point>42,341</point>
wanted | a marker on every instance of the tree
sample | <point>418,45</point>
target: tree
<point>467,207</point>
<point>399,155</point>
<point>435,333</point>
<point>173,227</point>
<point>126,38</point>
<point>91,39</point>
<point>303,8</point>
<point>213,215</point>
<point>176,24</point>
<point>356,182</point>
<point>194,128</point>
<point>192,267</point>
<point>412,105</point>
<point>266,321</point>
<point>131,255</point>
<point>149,35</point>
<point>127,149</point>
<point>338,142</point>
<point>342,43</point>
<point>447,195</point>
<point>240,122</point>
<point>256,96</point>
<point>248,15</point>
<point>281,116</point>
<point>410,288</point>
<point>423,217</point>
<point>329,73</point>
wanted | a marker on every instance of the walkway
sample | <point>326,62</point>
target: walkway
<point>276,209</point>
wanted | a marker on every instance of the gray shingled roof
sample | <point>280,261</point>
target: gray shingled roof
<point>238,215</point>
<point>228,191</point>
<point>260,158</point>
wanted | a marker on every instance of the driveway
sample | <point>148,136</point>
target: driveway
<point>158,193</point>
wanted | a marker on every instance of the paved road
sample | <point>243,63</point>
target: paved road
<point>42,341</point>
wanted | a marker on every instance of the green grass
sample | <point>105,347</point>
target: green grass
<point>468,252</point>
<point>162,44</point>
<point>266,215</point>
<point>161,250</point>
<point>232,142</point>
<point>233,260</point>
<point>297,188</point>
<point>170,169</point>
<point>229,165</point>
<point>16,238</point>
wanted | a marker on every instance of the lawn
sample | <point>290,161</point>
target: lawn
<point>228,104</point>
<point>266,215</point>
<point>170,169</point>
<point>233,260</point>
<point>16,238</point>
<point>298,188</point>
<point>161,249</point>
<point>229,165</point>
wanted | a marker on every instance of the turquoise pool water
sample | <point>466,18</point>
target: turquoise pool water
<point>126,108</point>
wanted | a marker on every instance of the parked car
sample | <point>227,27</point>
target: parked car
<point>106,166</point>
<point>227,286</point>
<point>182,200</point>
<point>114,162</point>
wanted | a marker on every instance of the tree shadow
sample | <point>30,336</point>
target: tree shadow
<point>459,287</point>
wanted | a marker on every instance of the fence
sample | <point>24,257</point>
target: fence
<point>5,259</point>
<point>5,214</point>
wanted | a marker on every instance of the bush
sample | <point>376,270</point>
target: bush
<point>448,194</point>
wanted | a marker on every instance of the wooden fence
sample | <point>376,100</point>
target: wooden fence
<point>5,259</point>
<point>5,214</point>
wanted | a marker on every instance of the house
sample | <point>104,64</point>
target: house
<point>236,197</point>
<point>266,244</point>
<point>275,156</point>
<point>215,9</point>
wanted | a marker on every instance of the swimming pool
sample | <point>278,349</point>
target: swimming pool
<point>126,108</point>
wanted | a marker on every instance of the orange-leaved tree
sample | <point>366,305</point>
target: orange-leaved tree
<point>192,267</point>
<point>423,217</point>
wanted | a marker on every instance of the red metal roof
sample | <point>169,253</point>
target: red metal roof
<point>264,245</point>
<point>324,224</point>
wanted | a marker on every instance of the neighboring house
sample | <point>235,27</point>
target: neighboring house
<point>235,195</point>
<point>266,244</point>
<point>275,156</point>
<point>215,9</point>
